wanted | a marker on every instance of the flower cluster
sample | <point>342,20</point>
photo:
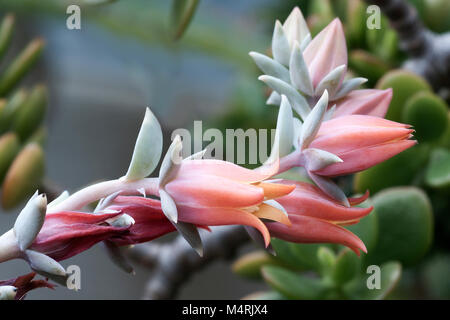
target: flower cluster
<point>327,140</point>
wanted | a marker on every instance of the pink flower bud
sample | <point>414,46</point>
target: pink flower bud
<point>65,234</point>
<point>370,102</point>
<point>326,51</point>
<point>361,142</point>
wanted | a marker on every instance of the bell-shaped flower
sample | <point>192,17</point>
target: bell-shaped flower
<point>370,102</point>
<point>360,142</point>
<point>317,218</point>
<point>214,192</point>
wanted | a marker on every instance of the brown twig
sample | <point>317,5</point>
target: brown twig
<point>429,52</point>
<point>173,263</point>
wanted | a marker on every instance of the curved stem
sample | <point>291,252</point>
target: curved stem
<point>290,161</point>
<point>9,248</point>
<point>101,190</point>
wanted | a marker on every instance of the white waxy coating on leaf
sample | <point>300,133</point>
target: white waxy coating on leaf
<point>347,86</point>
<point>312,123</point>
<point>270,66</point>
<point>297,101</point>
<point>168,206</point>
<point>171,161</point>
<point>317,159</point>
<point>299,73</point>
<point>274,99</point>
<point>280,45</point>
<point>297,125</point>
<point>147,150</point>
<point>43,263</point>
<point>285,130</point>
<point>191,235</point>
<point>30,221</point>
<point>330,188</point>
<point>8,292</point>
<point>331,81</point>
<point>121,221</point>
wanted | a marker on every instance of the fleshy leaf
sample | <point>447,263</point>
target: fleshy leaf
<point>316,159</point>
<point>30,221</point>
<point>347,86</point>
<point>330,188</point>
<point>147,150</point>
<point>43,264</point>
<point>249,265</point>
<point>390,274</point>
<point>280,45</point>
<point>168,206</point>
<point>295,27</point>
<point>270,67</point>
<point>297,101</point>
<point>190,233</point>
<point>285,131</point>
<point>8,292</point>
<point>347,266</point>
<point>171,161</point>
<point>274,99</point>
<point>118,258</point>
<point>299,73</point>
<point>331,81</point>
<point>312,123</point>
<point>292,285</point>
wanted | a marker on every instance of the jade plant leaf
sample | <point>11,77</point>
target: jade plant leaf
<point>249,265</point>
<point>437,174</point>
<point>427,113</point>
<point>390,274</point>
<point>404,85</point>
<point>292,285</point>
<point>347,266</point>
<point>405,224</point>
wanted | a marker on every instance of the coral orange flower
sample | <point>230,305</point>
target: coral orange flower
<point>316,217</point>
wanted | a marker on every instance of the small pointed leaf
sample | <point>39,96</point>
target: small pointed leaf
<point>30,221</point>
<point>42,263</point>
<point>147,150</point>
<point>312,123</point>
<point>331,81</point>
<point>270,66</point>
<point>274,99</point>
<point>171,161</point>
<point>347,86</point>
<point>317,159</point>
<point>330,188</point>
<point>191,235</point>
<point>297,101</point>
<point>280,45</point>
<point>168,206</point>
<point>299,73</point>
